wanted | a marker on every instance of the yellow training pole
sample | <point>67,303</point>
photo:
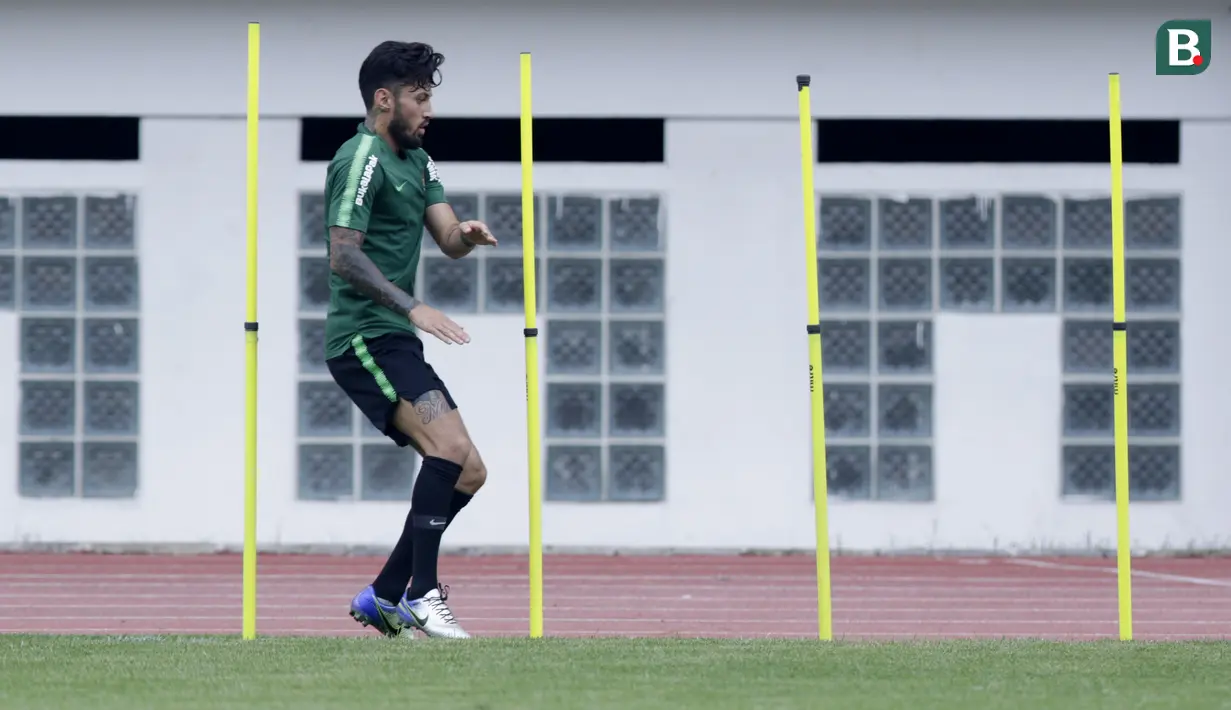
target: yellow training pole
<point>250,337</point>
<point>532,354</point>
<point>1119,329</point>
<point>820,487</point>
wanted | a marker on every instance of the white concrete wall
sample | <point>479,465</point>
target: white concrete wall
<point>732,188</point>
<point>868,57</point>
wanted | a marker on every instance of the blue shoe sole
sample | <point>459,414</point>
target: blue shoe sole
<point>366,618</point>
<point>366,621</point>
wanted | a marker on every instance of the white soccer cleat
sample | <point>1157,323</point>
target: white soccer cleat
<point>431,615</point>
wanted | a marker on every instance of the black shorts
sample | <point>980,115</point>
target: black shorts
<point>376,372</point>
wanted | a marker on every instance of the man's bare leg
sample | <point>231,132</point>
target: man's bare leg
<point>393,579</point>
<point>438,430</point>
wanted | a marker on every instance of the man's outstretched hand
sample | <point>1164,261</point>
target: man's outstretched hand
<point>476,234</point>
<point>430,320</point>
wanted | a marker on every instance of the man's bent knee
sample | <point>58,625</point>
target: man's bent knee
<point>474,474</point>
<point>453,445</point>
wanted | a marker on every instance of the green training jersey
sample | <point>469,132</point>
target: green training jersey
<point>383,193</point>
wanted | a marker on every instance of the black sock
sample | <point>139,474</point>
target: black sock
<point>431,503</point>
<point>395,575</point>
<point>391,583</point>
<point>459,501</point>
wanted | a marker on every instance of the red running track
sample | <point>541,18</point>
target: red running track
<point>874,598</point>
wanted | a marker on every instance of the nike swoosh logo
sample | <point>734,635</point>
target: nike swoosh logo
<point>399,187</point>
<point>418,620</point>
<point>437,523</point>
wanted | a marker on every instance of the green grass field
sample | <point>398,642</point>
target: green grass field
<point>183,673</point>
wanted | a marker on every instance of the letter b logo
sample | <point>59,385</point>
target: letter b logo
<point>1182,47</point>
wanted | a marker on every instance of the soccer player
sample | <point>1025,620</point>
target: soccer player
<point>383,189</point>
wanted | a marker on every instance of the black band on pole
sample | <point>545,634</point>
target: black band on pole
<point>814,329</point>
<point>1119,325</point>
<point>251,327</point>
<point>801,81</point>
<point>530,332</point>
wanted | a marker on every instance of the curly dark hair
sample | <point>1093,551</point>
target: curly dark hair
<point>392,65</point>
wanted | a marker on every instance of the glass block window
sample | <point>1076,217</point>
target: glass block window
<point>600,279</point>
<point>887,264</point>
<point>341,456</point>
<point>69,267</point>
<point>600,275</point>
<point>603,295</point>
<point>1152,231</point>
<point>881,281</point>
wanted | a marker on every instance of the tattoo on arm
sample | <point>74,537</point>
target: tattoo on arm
<point>346,259</point>
<point>431,406</point>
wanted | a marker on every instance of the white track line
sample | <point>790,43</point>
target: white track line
<point>744,577</point>
<point>549,575</point>
<point>1145,574</point>
<point>715,622</point>
<point>522,576</point>
<point>475,596</point>
<point>856,605</point>
<point>122,634</point>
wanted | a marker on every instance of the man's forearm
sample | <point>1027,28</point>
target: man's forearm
<point>454,245</point>
<point>348,261</point>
